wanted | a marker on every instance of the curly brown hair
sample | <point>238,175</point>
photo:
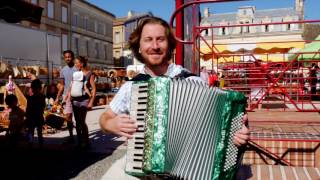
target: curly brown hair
<point>134,39</point>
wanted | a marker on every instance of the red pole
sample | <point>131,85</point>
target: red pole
<point>179,33</point>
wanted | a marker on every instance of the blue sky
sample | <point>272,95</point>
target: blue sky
<point>164,8</point>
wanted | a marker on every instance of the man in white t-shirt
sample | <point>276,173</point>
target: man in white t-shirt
<point>152,43</point>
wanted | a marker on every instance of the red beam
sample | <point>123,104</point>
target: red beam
<point>179,34</point>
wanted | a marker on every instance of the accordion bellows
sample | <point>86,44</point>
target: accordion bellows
<point>185,129</point>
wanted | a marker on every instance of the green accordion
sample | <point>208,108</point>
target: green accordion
<point>185,129</point>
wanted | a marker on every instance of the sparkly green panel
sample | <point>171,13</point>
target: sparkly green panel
<point>160,124</point>
<point>149,127</point>
<point>235,104</point>
<point>154,153</point>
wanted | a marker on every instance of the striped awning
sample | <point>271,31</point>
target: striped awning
<point>271,48</point>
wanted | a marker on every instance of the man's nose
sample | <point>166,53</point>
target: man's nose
<point>155,44</point>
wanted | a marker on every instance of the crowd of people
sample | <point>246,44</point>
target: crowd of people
<point>212,78</point>
<point>76,91</point>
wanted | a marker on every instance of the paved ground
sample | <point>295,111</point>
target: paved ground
<point>57,161</point>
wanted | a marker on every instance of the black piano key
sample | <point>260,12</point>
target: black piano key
<point>134,167</point>
<point>143,86</point>
<point>143,91</point>
<point>139,142</point>
<point>139,138</point>
<point>142,102</point>
<point>140,119</point>
<point>138,155</point>
<point>139,160</point>
<point>141,109</point>
<point>140,130</point>
<point>137,147</point>
<point>142,98</point>
<point>140,114</point>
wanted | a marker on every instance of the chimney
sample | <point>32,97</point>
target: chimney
<point>299,8</point>
<point>206,12</point>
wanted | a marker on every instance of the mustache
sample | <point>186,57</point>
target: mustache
<point>155,52</point>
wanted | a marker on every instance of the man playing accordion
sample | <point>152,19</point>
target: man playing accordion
<point>153,44</point>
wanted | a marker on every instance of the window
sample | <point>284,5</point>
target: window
<point>223,31</point>
<point>95,26</point>
<point>244,12</point>
<point>105,51</point>
<point>85,23</point>
<point>96,47</point>
<point>76,46</point>
<point>117,37</point>
<point>206,32</point>
<point>75,19</point>
<point>101,29</point>
<point>288,27</point>
<point>87,47</point>
<point>64,14</point>
<point>266,28</point>
<point>50,9</point>
<point>247,27</point>
<point>34,2</point>
<point>64,42</point>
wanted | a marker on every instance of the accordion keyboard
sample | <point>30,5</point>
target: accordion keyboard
<point>135,145</point>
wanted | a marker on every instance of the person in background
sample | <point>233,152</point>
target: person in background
<point>52,91</point>
<point>130,74</point>
<point>204,74</point>
<point>81,104</point>
<point>34,113</point>
<point>213,79</point>
<point>16,118</point>
<point>10,88</point>
<point>65,80</point>
<point>221,80</point>
<point>313,80</point>
<point>32,76</point>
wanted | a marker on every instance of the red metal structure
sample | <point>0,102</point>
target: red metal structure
<point>282,85</point>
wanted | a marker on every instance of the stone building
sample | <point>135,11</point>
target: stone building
<point>55,20</point>
<point>122,28</point>
<point>232,39</point>
<point>91,34</point>
<point>82,27</point>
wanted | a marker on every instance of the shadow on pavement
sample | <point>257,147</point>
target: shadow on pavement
<point>53,160</point>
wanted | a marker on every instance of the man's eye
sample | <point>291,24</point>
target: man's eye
<point>161,39</point>
<point>147,39</point>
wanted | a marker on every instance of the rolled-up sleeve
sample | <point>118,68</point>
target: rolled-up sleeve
<point>120,104</point>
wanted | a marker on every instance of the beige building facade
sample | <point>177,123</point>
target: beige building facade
<point>122,28</point>
<point>82,27</point>
<point>55,20</point>
<point>91,34</point>
<point>250,39</point>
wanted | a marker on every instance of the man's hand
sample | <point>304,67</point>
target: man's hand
<point>121,124</point>
<point>242,136</point>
